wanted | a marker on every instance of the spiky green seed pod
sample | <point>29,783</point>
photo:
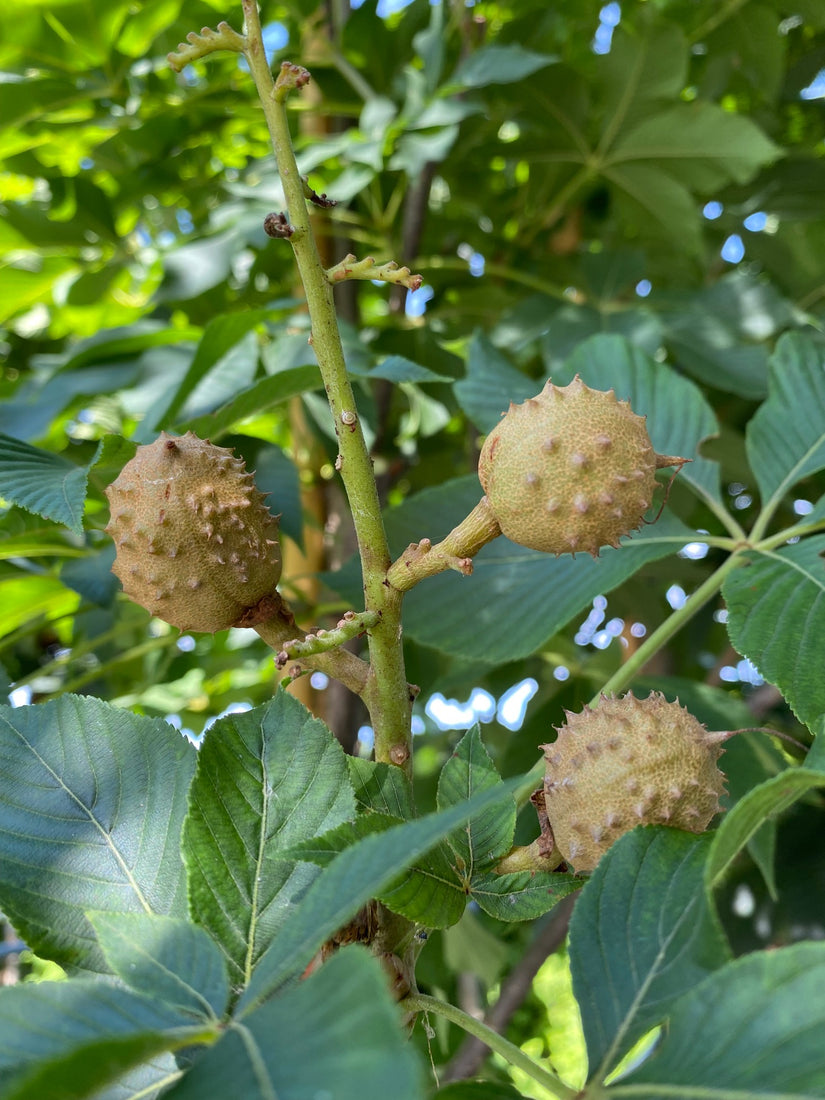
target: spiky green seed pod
<point>196,545</point>
<point>570,470</point>
<point>629,762</point>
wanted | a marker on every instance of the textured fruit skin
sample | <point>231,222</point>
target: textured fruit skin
<point>629,762</point>
<point>570,470</point>
<point>196,545</point>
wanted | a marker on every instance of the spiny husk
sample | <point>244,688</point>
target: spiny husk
<point>570,470</point>
<point>196,545</point>
<point>629,762</point>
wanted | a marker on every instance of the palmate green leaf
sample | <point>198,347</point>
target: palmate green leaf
<point>42,482</point>
<point>642,935</point>
<point>337,1034</point>
<point>68,1040</point>
<point>654,203</point>
<point>435,889</point>
<point>220,336</point>
<point>358,874</point>
<point>717,333</point>
<point>764,802</point>
<point>516,598</point>
<point>753,1028</point>
<point>785,439</point>
<point>92,800</point>
<point>112,344</point>
<point>430,892</point>
<point>491,383</point>
<point>168,959</point>
<point>641,70</point>
<point>484,839</point>
<point>397,368</point>
<point>381,787</point>
<point>524,895</point>
<point>261,395</point>
<point>266,780</point>
<point>698,143</point>
<point>776,618</point>
<point>496,65</point>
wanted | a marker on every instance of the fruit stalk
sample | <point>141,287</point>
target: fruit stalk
<point>386,694</point>
<point>423,559</point>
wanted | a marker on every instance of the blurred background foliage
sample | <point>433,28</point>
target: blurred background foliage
<point>652,171</point>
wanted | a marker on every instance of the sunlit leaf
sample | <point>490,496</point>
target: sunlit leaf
<point>266,780</point>
<point>92,800</point>
<point>641,936</point>
<point>339,1028</point>
<point>786,437</point>
<point>43,482</point>
<point>776,618</point>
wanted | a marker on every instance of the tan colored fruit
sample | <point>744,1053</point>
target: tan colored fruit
<point>196,545</point>
<point>570,470</point>
<point>629,762</point>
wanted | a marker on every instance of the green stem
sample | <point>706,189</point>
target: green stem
<point>723,13</point>
<point>508,1051</point>
<point>625,675</point>
<point>797,531</point>
<point>386,693</point>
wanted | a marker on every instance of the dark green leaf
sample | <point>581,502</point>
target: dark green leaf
<point>381,787</point>
<point>92,803</point>
<point>358,874</point>
<point>521,896</point>
<point>395,368</point>
<point>497,65</point>
<point>42,482</point>
<point>219,338</point>
<point>92,578</point>
<point>776,618</point>
<point>266,780</point>
<point>66,1040</point>
<point>716,333</point>
<point>255,399</point>
<point>786,437</point>
<point>653,203</point>
<point>757,1023</point>
<point>641,69</point>
<point>337,1034</point>
<point>698,143</point>
<point>641,936</point>
<point>113,344</point>
<point>430,892</point>
<point>484,839</point>
<point>168,959</point>
<point>749,814</point>
<point>277,474</point>
<point>490,384</point>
